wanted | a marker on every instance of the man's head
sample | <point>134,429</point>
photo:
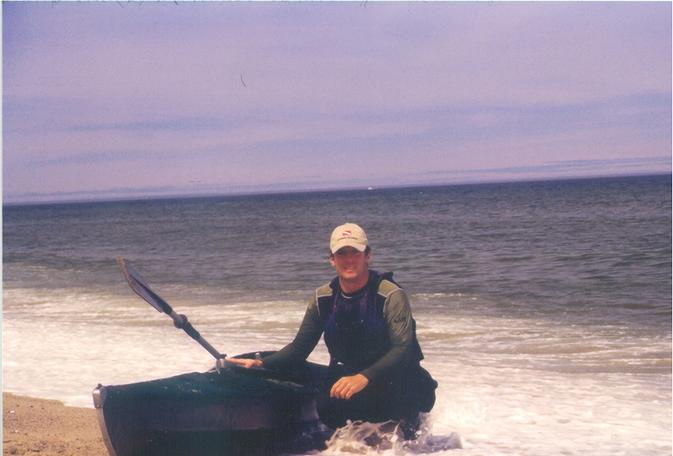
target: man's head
<point>350,255</point>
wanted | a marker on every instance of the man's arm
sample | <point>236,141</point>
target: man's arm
<point>304,342</point>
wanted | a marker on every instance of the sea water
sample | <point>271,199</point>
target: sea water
<point>543,308</point>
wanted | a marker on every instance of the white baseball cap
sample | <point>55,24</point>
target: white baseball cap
<point>348,235</point>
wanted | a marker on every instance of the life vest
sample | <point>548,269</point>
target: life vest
<point>356,333</point>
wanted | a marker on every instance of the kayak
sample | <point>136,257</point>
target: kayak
<point>232,410</point>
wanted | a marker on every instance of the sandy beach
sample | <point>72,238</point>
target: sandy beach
<point>45,427</point>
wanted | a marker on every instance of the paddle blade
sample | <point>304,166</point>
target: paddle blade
<point>143,290</point>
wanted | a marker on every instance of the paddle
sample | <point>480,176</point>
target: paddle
<point>180,321</point>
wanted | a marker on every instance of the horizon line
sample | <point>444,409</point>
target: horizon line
<point>329,189</point>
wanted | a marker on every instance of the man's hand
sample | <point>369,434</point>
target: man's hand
<point>346,387</point>
<point>247,363</point>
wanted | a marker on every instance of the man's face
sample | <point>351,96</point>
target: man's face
<point>351,265</point>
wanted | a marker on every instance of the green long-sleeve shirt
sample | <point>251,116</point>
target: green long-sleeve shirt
<point>400,327</point>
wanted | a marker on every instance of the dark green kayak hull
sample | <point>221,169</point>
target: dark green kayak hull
<point>234,411</point>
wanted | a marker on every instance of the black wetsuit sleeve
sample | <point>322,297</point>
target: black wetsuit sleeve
<point>304,342</point>
<point>397,314</point>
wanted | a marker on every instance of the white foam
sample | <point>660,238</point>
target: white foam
<point>387,439</point>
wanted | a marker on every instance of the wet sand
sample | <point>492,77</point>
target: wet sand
<point>49,428</point>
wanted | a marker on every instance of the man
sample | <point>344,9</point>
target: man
<point>374,371</point>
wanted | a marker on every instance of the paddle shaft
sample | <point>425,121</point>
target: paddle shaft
<point>180,321</point>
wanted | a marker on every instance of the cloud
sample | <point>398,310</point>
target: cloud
<point>564,168</point>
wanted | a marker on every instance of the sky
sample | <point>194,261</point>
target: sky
<point>119,99</point>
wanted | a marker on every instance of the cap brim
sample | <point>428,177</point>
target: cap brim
<point>348,243</point>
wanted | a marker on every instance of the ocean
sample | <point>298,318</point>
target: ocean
<point>543,308</point>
